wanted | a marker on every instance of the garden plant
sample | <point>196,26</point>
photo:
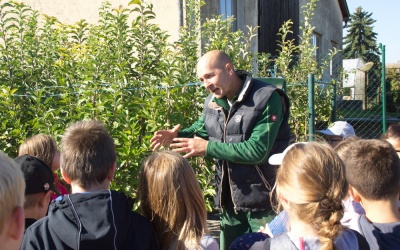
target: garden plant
<point>125,72</point>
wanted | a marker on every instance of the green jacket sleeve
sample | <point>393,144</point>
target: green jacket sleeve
<point>256,149</point>
<point>197,129</point>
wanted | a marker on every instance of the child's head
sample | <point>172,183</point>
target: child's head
<point>336,132</point>
<point>373,169</point>
<point>12,188</point>
<point>39,180</point>
<point>87,153</point>
<point>172,199</point>
<point>43,147</point>
<point>393,131</point>
<point>342,147</point>
<point>310,186</point>
<point>392,136</point>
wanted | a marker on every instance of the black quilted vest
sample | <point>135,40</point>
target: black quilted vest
<point>249,185</point>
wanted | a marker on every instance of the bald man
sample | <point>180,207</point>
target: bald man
<point>244,122</point>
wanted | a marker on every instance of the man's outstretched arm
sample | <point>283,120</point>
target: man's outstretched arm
<point>252,151</point>
<point>164,137</point>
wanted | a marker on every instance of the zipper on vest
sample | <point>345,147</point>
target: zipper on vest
<point>220,188</point>
<point>230,188</point>
<point>227,163</point>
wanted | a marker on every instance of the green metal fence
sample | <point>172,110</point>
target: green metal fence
<point>360,98</point>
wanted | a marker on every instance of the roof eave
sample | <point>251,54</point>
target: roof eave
<point>345,10</point>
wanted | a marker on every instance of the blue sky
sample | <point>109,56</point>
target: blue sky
<point>387,14</point>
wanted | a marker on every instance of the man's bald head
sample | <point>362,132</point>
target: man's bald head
<point>216,71</point>
<point>215,59</point>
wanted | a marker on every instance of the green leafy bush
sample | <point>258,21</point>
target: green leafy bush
<point>124,72</point>
<point>294,63</point>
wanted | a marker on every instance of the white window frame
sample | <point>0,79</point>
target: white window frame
<point>316,43</point>
<point>225,7</point>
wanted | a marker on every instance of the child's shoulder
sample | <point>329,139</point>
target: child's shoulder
<point>380,235</point>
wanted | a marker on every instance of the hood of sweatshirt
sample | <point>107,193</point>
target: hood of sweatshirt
<point>91,220</point>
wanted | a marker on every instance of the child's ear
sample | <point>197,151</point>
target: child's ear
<point>284,202</point>
<point>17,224</point>
<point>45,199</point>
<point>354,194</point>
<point>111,174</point>
<point>65,177</point>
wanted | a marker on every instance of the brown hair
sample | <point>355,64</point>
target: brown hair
<point>41,146</point>
<point>172,200</point>
<point>312,180</point>
<point>87,153</point>
<point>31,200</point>
<point>342,147</point>
<point>373,168</point>
<point>393,131</point>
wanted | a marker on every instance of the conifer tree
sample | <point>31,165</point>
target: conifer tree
<point>360,42</point>
<point>361,39</point>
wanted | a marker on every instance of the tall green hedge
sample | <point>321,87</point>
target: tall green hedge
<point>124,73</point>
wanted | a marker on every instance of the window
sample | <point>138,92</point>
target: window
<point>228,8</point>
<point>316,43</point>
<point>225,7</point>
<point>334,63</point>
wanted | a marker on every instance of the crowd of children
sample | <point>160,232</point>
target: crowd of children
<point>340,193</point>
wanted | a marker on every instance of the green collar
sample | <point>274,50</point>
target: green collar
<point>223,102</point>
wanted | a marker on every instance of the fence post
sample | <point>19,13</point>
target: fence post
<point>334,103</point>
<point>383,81</point>
<point>311,108</point>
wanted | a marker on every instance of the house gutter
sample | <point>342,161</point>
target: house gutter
<point>344,8</point>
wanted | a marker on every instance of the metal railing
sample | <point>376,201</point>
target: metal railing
<point>362,103</point>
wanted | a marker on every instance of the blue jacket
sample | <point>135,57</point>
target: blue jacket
<point>96,220</point>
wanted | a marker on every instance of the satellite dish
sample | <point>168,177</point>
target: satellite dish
<point>367,66</point>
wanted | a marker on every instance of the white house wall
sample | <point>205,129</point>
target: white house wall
<point>70,11</point>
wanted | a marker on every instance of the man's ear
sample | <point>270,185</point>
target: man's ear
<point>17,224</point>
<point>111,173</point>
<point>65,177</point>
<point>229,67</point>
<point>354,194</point>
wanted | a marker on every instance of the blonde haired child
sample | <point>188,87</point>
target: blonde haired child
<point>44,147</point>
<point>310,187</point>
<point>12,188</point>
<point>171,198</point>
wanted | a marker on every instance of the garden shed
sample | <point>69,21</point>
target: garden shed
<point>355,78</point>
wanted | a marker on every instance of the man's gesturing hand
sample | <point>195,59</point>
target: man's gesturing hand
<point>192,146</point>
<point>164,137</point>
